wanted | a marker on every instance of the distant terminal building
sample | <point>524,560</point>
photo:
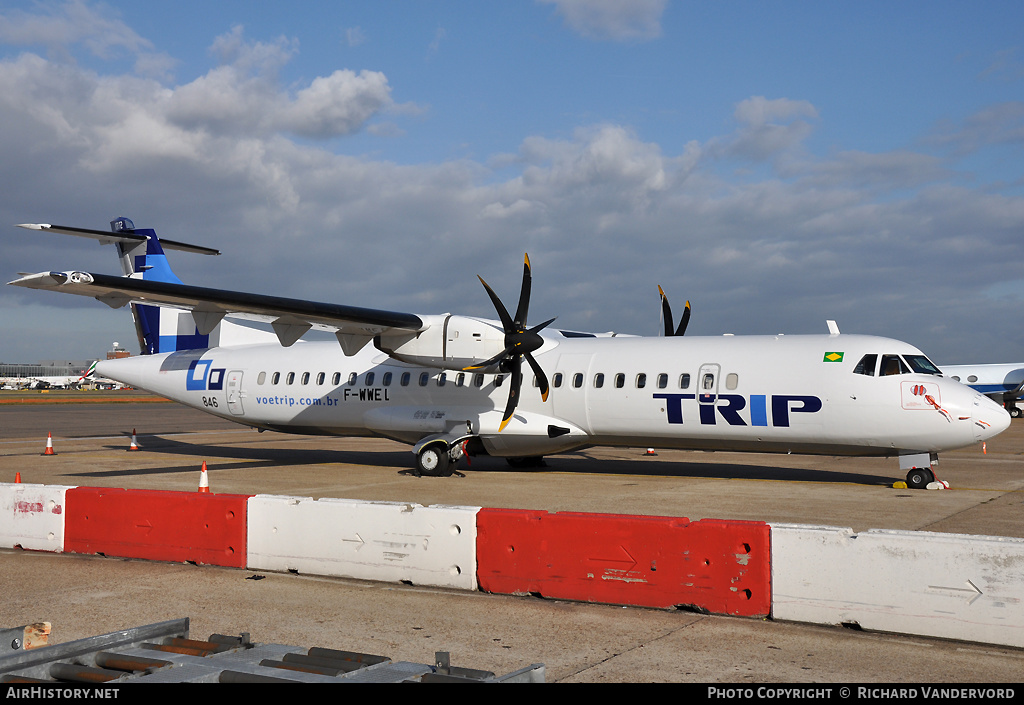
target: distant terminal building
<point>46,368</point>
<point>53,373</point>
<point>117,352</point>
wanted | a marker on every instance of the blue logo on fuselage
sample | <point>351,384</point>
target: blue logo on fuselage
<point>203,376</point>
<point>782,405</point>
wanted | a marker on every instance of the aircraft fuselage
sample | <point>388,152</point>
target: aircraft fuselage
<point>795,394</point>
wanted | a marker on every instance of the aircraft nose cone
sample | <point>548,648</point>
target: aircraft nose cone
<point>990,418</point>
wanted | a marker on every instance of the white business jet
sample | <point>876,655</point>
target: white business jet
<point>1003,383</point>
<point>452,385</point>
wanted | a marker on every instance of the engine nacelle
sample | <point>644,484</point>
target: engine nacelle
<point>449,342</point>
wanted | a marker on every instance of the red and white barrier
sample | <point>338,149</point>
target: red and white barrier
<point>710,565</point>
<point>387,541</point>
<point>32,516</point>
<point>952,586</point>
<point>914,582</point>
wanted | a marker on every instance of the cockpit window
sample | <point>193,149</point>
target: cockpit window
<point>922,365</point>
<point>866,366</point>
<point>893,365</point>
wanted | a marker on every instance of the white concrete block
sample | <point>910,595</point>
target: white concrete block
<point>32,516</point>
<point>385,541</point>
<point>953,586</point>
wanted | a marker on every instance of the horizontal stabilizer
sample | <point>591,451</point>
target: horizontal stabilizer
<point>107,237</point>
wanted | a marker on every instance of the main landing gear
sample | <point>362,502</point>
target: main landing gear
<point>434,461</point>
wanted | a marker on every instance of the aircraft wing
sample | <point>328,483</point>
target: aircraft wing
<point>290,318</point>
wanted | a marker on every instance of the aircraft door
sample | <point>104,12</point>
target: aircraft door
<point>707,383</point>
<point>234,392</point>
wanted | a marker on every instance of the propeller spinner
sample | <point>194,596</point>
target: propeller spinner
<point>666,312</point>
<point>520,342</point>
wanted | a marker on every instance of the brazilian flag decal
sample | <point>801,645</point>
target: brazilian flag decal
<point>833,357</point>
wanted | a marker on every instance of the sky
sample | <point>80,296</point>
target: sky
<point>777,164</point>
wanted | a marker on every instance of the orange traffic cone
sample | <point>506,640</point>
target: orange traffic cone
<point>17,477</point>
<point>204,481</point>
<point>134,445</point>
<point>650,451</point>
<point>49,445</point>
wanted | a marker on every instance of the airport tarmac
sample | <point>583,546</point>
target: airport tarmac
<point>88,595</point>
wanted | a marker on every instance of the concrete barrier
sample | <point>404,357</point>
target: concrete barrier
<point>709,565</point>
<point>157,525</point>
<point>952,586</point>
<point>32,516</point>
<point>384,541</point>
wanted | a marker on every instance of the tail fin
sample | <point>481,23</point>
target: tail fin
<point>160,329</point>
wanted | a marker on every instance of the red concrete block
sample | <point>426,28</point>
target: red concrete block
<point>156,525</point>
<point>715,566</point>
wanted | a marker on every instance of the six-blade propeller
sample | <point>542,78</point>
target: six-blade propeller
<point>520,342</point>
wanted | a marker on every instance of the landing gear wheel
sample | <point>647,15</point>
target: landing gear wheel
<point>918,478</point>
<point>433,460</point>
<point>1015,412</point>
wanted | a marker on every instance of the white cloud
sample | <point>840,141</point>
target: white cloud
<point>890,243</point>
<point>616,20</point>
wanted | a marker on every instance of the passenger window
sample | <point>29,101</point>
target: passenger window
<point>662,380</point>
<point>893,365</point>
<point>460,379</point>
<point>641,381</point>
<point>386,380</point>
<point>956,378</point>
<point>684,381</point>
<point>320,378</point>
<point>709,381</point>
<point>276,378</point>
<point>577,380</point>
<point>732,380</point>
<point>620,380</point>
<point>866,366</point>
<point>424,378</point>
<point>478,379</point>
<point>556,381</point>
<point>305,378</point>
<point>441,379</point>
<point>352,379</point>
<point>368,379</point>
<point>336,379</point>
<point>972,379</point>
<point>262,378</point>
<point>498,379</point>
<point>290,378</point>
<point>406,376</point>
<point>599,380</point>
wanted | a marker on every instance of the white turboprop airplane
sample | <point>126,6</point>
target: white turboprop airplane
<point>449,385</point>
<point>1004,384</point>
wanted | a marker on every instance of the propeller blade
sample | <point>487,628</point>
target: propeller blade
<point>685,320</point>
<point>542,379</point>
<point>524,295</point>
<point>515,365</point>
<point>493,361</point>
<point>506,320</point>
<point>666,312</point>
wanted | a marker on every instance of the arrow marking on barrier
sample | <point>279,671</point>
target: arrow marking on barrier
<point>620,573</point>
<point>973,591</point>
